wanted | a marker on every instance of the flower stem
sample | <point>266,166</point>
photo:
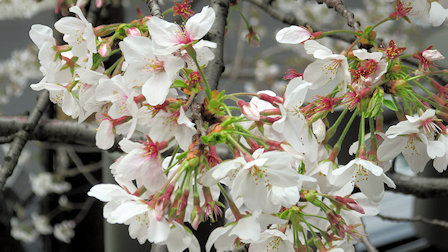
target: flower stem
<point>192,53</point>
<point>331,131</point>
<point>233,207</point>
<point>337,146</point>
<point>381,22</point>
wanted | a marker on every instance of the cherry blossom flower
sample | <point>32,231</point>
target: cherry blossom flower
<point>154,73</point>
<point>247,229</point>
<point>327,68</point>
<point>293,124</point>
<point>366,175</point>
<point>272,240</point>
<point>413,138</point>
<point>169,37</point>
<point>166,125</point>
<point>64,231</point>
<point>78,33</point>
<point>371,69</point>
<point>45,183</point>
<point>42,224</point>
<point>141,163</point>
<point>253,180</point>
<point>22,232</point>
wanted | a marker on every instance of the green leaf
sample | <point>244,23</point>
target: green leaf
<point>180,84</point>
<point>390,105</point>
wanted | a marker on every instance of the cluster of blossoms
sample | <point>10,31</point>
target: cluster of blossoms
<point>286,190</point>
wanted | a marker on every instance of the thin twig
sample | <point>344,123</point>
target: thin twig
<point>436,222</point>
<point>290,19</point>
<point>339,7</point>
<point>78,170</point>
<point>154,7</point>
<point>365,239</point>
<point>216,34</point>
<point>22,136</point>
<point>84,210</point>
<point>81,167</point>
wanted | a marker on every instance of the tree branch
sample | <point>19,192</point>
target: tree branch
<point>154,7</point>
<point>22,136</point>
<point>216,34</point>
<point>420,187</point>
<point>339,7</point>
<point>435,222</point>
<point>290,19</point>
<point>56,131</point>
<point>365,239</point>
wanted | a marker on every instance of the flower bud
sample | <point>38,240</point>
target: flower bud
<point>133,32</point>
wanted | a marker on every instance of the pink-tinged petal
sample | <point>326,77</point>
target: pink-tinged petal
<point>437,14</point>
<point>41,34</point>
<point>292,35</point>
<point>432,55</point>
<point>199,24</point>
<point>390,148</point>
<point>136,49</point>
<point>103,192</point>
<point>105,137</point>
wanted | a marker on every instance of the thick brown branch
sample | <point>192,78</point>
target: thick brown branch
<point>216,34</point>
<point>21,137</point>
<point>419,186</point>
<point>290,19</point>
<point>435,222</point>
<point>55,131</point>
<point>339,7</point>
<point>154,7</point>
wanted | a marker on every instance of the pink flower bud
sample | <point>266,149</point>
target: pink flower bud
<point>103,50</point>
<point>133,32</point>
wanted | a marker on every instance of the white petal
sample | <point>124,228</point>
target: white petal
<point>292,35</point>
<point>199,24</point>
<point>437,14</point>
<point>41,34</point>
<point>104,137</point>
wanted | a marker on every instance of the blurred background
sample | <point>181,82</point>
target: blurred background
<point>249,67</point>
